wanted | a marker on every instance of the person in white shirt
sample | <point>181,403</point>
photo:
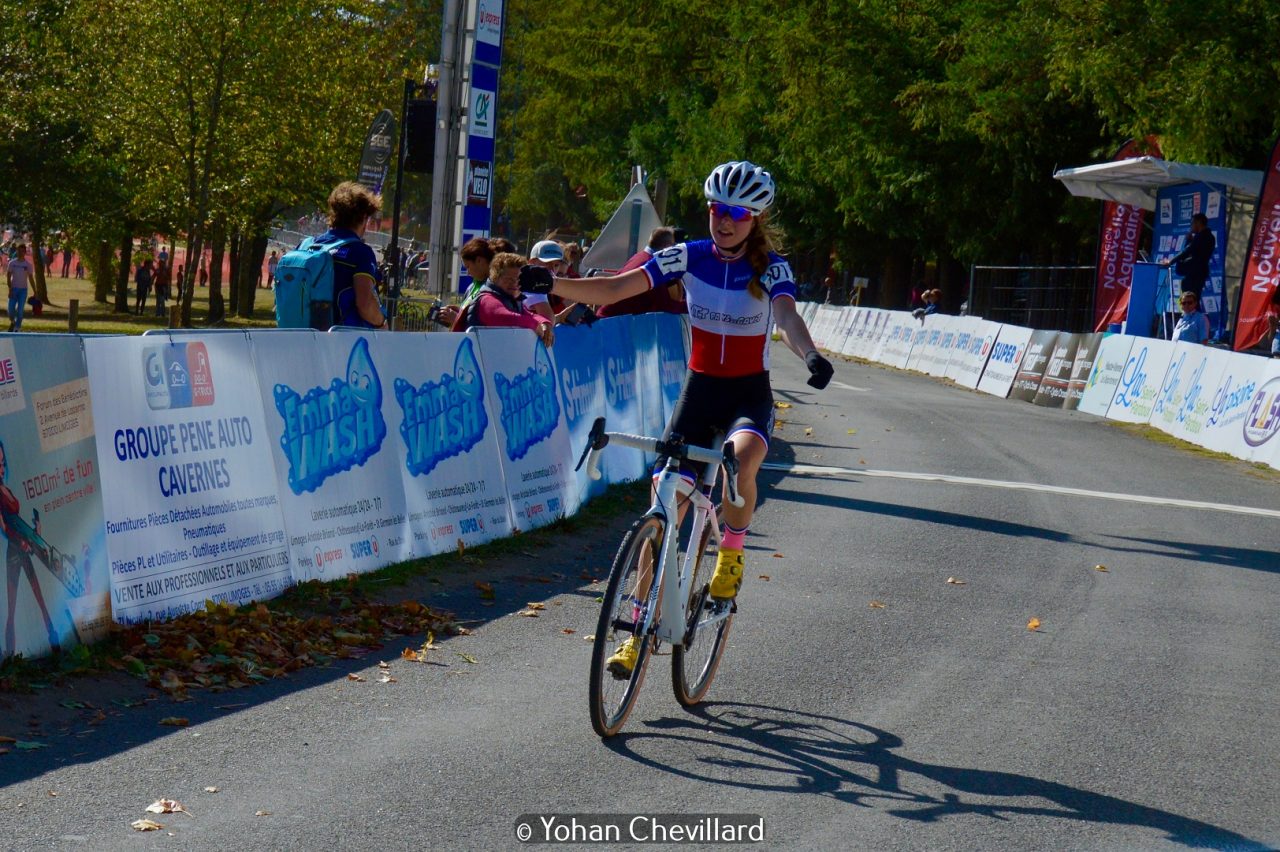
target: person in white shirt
<point>18,277</point>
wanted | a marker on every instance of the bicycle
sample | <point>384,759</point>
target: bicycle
<point>658,587</point>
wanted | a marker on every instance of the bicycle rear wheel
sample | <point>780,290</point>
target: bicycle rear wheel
<point>693,669</point>
<point>621,614</point>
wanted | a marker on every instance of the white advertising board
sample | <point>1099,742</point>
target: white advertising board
<point>1004,360</point>
<point>1109,363</point>
<point>1141,380</point>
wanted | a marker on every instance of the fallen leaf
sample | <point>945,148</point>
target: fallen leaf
<point>954,582</point>
<point>782,405</point>
<point>877,605</point>
<point>528,613</point>
<point>1101,568</point>
<point>175,721</point>
<point>1033,624</point>
<point>383,664</point>
<point>862,461</point>
<point>262,813</point>
<point>485,589</point>
<point>166,806</point>
<point>53,794</point>
<point>808,431</point>
<point>888,428</point>
<point>357,678</point>
<point>589,637</point>
<point>211,789</point>
<point>764,577</point>
<point>410,655</point>
<point>778,556</point>
<point>145,825</point>
<point>537,606</point>
<point>568,631</point>
<point>852,432</point>
<point>467,657</point>
<point>386,679</point>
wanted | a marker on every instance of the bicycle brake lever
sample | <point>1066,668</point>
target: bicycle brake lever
<point>596,440</point>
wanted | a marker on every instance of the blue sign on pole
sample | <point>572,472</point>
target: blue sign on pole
<point>1175,205</point>
<point>482,115</point>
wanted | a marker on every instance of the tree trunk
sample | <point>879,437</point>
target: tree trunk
<point>251,275</point>
<point>37,258</point>
<point>953,281</point>
<point>102,272</point>
<point>197,246</point>
<point>218,248</point>
<point>895,283</point>
<point>234,268</point>
<point>122,279</point>
<point>217,307</point>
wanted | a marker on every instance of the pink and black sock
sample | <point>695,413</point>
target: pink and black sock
<point>733,538</point>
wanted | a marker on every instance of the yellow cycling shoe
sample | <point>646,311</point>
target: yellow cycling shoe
<point>728,576</point>
<point>623,661</point>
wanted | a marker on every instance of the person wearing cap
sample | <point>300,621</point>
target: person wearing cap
<point>737,286</point>
<point>548,254</point>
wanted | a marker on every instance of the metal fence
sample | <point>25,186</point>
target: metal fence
<point>414,313</point>
<point>1050,297</point>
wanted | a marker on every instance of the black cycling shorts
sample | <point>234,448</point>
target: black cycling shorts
<point>711,404</point>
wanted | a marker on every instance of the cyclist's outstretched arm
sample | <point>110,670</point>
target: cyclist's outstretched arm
<point>795,334</point>
<point>594,291</point>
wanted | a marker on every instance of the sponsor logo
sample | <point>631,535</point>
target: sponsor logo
<point>365,548</point>
<point>533,510</point>
<point>471,526</point>
<point>1005,353</point>
<point>1263,420</point>
<point>553,505</point>
<point>442,531</point>
<point>445,418</point>
<point>579,384</point>
<point>530,409</point>
<point>1228,400</point>
<point>324,558</point>
<point>1195,388</point>
<point>177,375</point>
<point>1172,383</point>
<point>620,380</point>
<point>332,429</point>
<point>1132,379</point>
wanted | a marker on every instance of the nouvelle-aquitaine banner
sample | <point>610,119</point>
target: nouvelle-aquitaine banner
<point>1262,265</point>
<point>1118,248</point>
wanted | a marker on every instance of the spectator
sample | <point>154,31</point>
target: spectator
<point>572,259</point>
<point>498,304</point>
<point>355,268</point>
<point>79,269</point>
<point>18,278</point>
<point>476,253</point>
<point>918,291</point>
<point>66,261</point>
<point>160,284</point>
<point>272,262</point>
<point>548,254</point>
<point>669,299</point>
<point>1192,263</point>
<point>1193,325</point>
<point>142,279</point>
<point>203,273</point>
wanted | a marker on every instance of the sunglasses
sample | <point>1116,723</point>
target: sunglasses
<point>733,211</point>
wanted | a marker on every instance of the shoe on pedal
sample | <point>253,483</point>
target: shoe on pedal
<point>623,661</point>
<point>727,579</point>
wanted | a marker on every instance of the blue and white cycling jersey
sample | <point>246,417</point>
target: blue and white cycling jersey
<point>731,328</point>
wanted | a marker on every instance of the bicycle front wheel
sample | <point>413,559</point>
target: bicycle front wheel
<point>693,669</point>
<point>622,616</point>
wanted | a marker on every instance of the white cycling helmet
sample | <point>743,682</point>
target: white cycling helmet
<point>740,183</point>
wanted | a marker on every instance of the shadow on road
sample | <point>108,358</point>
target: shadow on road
<point>791,751</point>
<point>1213,554</point>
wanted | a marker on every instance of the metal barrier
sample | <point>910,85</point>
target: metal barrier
<point>409,313</point>
<point>1048,297</point>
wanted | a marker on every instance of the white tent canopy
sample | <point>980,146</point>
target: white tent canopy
<point>1137,180</point>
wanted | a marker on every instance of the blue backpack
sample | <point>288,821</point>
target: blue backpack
<point>304,286</point>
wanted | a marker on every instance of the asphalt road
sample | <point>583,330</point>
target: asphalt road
<point>1141,714</point>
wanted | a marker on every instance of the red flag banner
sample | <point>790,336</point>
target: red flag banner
<point>1118,247</point>
<point>1262,266</point>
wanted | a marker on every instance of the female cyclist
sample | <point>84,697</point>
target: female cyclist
<point>736,287</point>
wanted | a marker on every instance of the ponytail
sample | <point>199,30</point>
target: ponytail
<point>763,239</point>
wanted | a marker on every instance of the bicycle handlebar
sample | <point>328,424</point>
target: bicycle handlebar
<point>598,439</point>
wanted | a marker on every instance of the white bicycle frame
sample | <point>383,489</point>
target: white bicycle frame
<point>674,585</point>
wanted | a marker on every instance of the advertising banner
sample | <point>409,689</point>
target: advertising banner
<point>578,355</point>
<point>858,318</point>
<point>1241,419</point>
<point>1118,245</point>
<point>328,403</point>
<point>1082,369</point>
<point>443,439</point>
<point>938,355</point>
<point>50,499</point>
<point>896,348</point>
<point>972,349</point>
<point>1202,396</point>
<point>1262,264</point>
<point>868,333</point>
<point>920,340</point>
<point>1175,207</point>
<point>379,150</point>
<point>644,335</point>
<point>1057,373</point>
<point>828,320</point>
<point>1026,382</point>
<point>1141,381</point>
<point>623,405</point>
<point>673,361</point>
<point>1108,366</point>
<point>1184,390</point>
<point>1006,356</point>
<point>189,489</point>
<point>533,441</point>
<point>482,121</point>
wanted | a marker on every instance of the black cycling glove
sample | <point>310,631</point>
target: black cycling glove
<point>820,370</point>
<point>536,279</point>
